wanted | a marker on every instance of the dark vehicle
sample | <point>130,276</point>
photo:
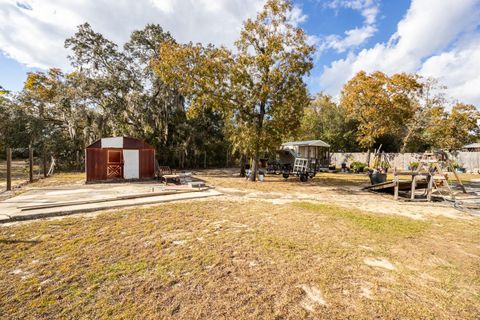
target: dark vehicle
<point>274,167</point>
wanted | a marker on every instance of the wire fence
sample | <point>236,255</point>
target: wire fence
<point>25,166</point>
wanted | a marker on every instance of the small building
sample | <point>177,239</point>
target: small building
<point>316,150</point>
<point>119,158</point>
<point>472,147</point>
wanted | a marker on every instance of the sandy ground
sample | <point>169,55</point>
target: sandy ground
<point>345,191</point>
<point>79,198</point>
<point>265,250</point>
<point>19,173</point>
<point>219,259</point>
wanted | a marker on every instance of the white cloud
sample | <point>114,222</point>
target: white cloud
<point>437,40</point>
<point>370,14</point>
<point>458,69</point>
<point>164,5</point>
<point>33,31</point>
<point>297,16</point>
<point>354,37</point>
<point>368,8</point>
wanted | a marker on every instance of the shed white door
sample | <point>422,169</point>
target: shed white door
<point>131,169</point>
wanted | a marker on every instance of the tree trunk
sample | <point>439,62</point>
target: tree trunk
<point>254,167</point>
<point>242,166</point>
<point>9,169</point>
<point>406,140</point>
<point>30,163</point>
<point>418,122</point>
<point>44,162</point>
<point>226,159</point>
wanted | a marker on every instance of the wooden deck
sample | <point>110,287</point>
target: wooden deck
<point>388,186</point>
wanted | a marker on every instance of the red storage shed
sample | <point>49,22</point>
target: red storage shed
<point>119,158</point>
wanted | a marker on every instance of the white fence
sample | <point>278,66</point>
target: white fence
<point>468,160</point>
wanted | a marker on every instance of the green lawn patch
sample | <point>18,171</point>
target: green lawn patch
<point>381,224</point>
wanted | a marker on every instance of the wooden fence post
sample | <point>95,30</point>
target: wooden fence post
<point>44,163</point>
<point>9,169</point>
<point>30,163</point>
<point>414,185</point>
<point>396,184</point>
<point>430,187</point>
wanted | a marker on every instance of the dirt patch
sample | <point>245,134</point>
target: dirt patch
<point>219,258</point>
<point>379,263</point>
<point>366,292</point>
<point>276,249</point>
<point>340,189</point>
<point>21,184</point>
<point>313,298</point>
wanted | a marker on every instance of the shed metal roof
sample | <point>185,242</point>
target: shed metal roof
<point>120,143</point>
<point>307,143</point>
<point>472,145</point>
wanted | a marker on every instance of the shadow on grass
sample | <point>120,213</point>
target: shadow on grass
<point>3,241</point>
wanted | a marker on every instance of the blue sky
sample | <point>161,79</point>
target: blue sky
<point>323,21</point>
<point>440,40</point>
<point>13,73</point>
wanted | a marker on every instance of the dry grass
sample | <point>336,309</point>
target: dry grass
<point>19,172</point>
<point>58,179</point>
<point>240,260</point>
<point>276,183</point>
<point>466,177</point>
<point>20,175</point>
<point>229,178</point>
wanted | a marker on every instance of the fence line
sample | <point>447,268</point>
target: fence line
<point>468,160</point>
<point>18,171</point>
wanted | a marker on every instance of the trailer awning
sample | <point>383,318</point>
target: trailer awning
<point>307,143</point>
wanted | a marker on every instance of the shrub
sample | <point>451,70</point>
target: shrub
<point>414,165</point>
<point>357,165</point>
<point>455,164</point>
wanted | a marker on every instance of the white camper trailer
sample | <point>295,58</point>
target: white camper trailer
<point>304,158</point>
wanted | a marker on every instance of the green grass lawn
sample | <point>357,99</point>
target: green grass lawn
<point>240,260</point>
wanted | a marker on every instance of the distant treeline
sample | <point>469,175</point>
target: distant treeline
<point>201,105</point>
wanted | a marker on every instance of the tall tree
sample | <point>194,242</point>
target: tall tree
<point>106,79</point>
<point>452,130</point>
<point>127,95</point>
<point>430,100</point>
<point>259,88</point>
<point>380,104</point>
<point>57,116</point>
<point>326,120</point>
<point>5,118</point>
<point>159,108</point>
